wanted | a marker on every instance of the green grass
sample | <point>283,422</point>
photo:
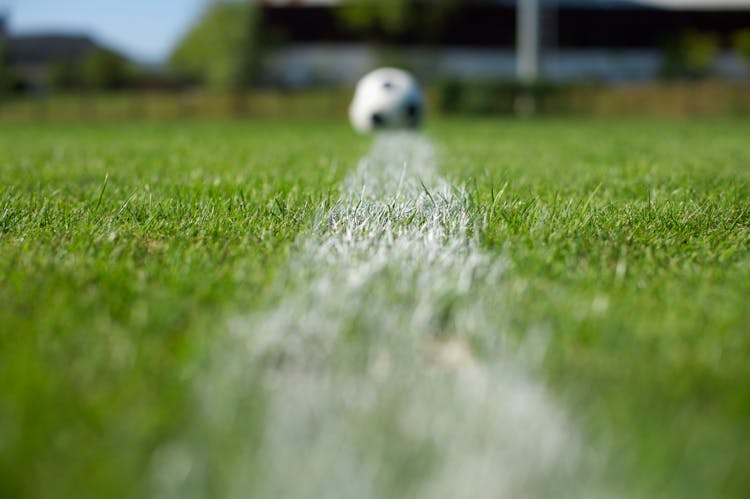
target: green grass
<point>125,248</point>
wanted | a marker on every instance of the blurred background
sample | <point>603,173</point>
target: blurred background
<point>112,60</point>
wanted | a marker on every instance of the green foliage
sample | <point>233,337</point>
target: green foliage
<point>64,75</point>
<point>221,49</point>
<point>491,97</point>
<point>700,51</point>
<point>741,43</point>
<point>692,55</point>
<point>5,74</point>
<point>391,19</point>
<point>395,17</point>
<point>104,70</point>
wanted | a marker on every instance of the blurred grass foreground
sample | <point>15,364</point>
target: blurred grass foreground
<point>127,249</point>
<point>265,59</point>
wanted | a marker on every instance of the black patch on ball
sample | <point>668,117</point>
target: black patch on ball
<point>413,113</point>
<point>388,85</point>
<point>378,120</point>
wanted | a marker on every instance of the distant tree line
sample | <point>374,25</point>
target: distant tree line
<point>222,50</point>
<point>5,77</point>
<point>100,70</point>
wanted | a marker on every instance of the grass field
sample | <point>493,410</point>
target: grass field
<point>129,253</point>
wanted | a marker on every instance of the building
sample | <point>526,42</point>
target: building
<point>31,57</point>
<point>591,40</point>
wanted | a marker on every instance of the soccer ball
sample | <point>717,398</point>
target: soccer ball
<point>387,98</point>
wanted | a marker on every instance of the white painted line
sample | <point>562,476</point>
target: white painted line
<point>382,370</point>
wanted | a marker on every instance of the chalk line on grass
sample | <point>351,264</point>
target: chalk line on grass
<point>384,368</point>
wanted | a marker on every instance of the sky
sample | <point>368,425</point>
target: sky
<point>145,30</point>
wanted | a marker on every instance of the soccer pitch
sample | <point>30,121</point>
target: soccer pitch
<point>493,309</point>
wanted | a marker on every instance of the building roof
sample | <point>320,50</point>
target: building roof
<point>47,48</point>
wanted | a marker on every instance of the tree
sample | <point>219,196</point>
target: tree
<point>420,20</point>
<point>64,75</point>
<point>106,70</point>
<point>741,42</point>
<point>222,49</point>
<point>5,73</point>
<point>396,17</point>
<point>692,55</point>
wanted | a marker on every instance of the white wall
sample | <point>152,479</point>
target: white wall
<point>305,65</point>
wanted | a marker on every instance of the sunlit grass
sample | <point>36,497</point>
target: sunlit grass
<point>125,249</point>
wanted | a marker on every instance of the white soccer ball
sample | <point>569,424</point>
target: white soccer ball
<point>387,98</point>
